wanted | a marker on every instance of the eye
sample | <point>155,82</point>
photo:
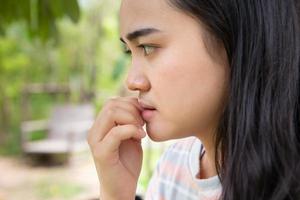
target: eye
<point>126,49</point>
<point>148,49</point>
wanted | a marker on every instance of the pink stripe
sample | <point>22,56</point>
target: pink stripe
<point>181,174</point>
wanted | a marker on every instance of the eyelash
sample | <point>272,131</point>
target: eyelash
<point>127,50</point>
<point>142,46</point>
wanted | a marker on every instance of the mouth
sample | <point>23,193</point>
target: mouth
<point>146,106</point>
<point>148,111</point>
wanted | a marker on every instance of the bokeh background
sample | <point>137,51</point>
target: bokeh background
<point>60,60</point>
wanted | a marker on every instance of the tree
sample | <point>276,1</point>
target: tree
<point>40,18</point>
<point>39,15</point>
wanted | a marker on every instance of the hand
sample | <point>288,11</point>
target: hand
<point>115,142</point>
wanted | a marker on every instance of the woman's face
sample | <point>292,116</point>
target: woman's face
<point>173,70</point>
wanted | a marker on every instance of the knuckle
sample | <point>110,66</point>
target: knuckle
<point>109,112</point>
<point>115,132</point>
<point>109,104</point>
<point>111,101</point>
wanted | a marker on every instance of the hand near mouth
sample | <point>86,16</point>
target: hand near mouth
<point>115,142</point>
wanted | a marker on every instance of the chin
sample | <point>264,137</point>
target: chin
<point>159,135</point>
<point>156,138</point>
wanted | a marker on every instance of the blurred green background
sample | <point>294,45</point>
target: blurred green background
<point>66,43</point>
<point>48,47</point>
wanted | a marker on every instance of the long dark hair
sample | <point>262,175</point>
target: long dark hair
<point>259,131</point>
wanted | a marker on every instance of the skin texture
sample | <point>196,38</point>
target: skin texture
<point>173,70</point>
<point>179,78</point>
<point>185,78</point>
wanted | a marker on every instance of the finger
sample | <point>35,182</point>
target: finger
<point>110,118</point>
<point>116,135</point>
<point>131,107</point>
<point>133,100</point>
<point>109,146</point>
<point>127,103</point>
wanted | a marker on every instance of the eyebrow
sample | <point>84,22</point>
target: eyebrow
<point>140,33</point>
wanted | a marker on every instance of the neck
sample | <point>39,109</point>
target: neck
<point>207,162</point>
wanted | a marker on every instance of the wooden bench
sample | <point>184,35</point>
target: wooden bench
<point>66,130</point>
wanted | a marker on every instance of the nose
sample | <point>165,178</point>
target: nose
<point>137,79</point>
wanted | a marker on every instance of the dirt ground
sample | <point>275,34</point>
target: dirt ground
<point>77,180</point>
<point>20,180</point>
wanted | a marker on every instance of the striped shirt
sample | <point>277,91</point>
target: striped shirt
<point>175,175</point>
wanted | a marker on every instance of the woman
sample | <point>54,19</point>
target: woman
<point>223,75</point>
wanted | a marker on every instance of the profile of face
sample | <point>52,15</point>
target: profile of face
<point>174,68</point>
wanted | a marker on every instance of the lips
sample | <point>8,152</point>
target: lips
<point>146,106</point>
<point>148,111</point>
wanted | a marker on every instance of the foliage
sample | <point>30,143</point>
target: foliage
<point>40,45</point>
<point>40,16</point>
<point>86,56</point>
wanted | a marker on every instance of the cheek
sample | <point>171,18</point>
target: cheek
<point>190,91</point>
<point>170,79</point>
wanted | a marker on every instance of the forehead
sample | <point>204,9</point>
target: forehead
<point>136,14</point>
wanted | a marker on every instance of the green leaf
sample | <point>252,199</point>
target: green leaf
<point>72,9</point>
<point>40,15</point>
<point>56,8</point>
